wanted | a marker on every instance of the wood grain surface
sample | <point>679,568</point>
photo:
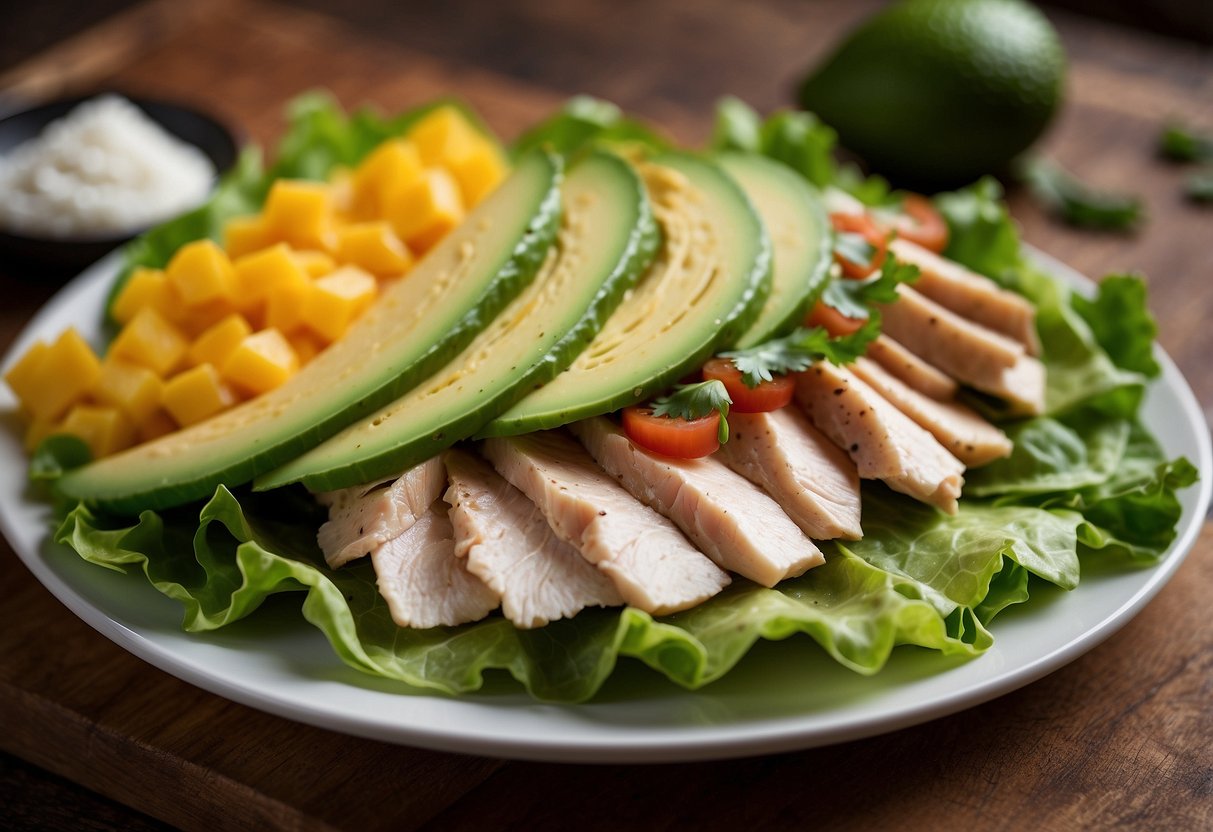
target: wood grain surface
<point>1121,738</point>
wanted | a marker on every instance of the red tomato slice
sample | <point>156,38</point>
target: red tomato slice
<point>767,396</point>
<point>863,225</point>
<point>834,322</point>
<point>919,223</point>
<point>679,438</point>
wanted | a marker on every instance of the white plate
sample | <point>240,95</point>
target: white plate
<point>783,696</point>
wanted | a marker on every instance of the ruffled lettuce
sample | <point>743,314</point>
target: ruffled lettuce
<point>1085,480</point>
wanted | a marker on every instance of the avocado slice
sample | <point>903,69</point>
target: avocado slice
<point>413,329</point>
<point>795,216</point>
<point>608,236</point>
<point>705,288</point>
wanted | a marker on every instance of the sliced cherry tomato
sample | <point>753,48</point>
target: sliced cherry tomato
<point>862,225</point>
<point>835,323</point>
<point>680,438</point>
<point>917,222</point>
<point>767,396</point>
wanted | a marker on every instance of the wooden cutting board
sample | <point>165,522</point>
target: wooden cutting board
<point>1123,736</point>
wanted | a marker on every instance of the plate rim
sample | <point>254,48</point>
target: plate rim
<point>717,741</point>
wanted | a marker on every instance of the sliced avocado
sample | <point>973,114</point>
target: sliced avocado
<point>795,217</point>
<point>607,238</point>
<point>413,329</point>
<point>705,288</point>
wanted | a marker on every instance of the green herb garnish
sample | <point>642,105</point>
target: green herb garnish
<point>1182,144</point>
<point>799,350</point>
<point>854,298</point>
<point>694,401</point>
<point>1078,203</point>
<point>854,248</point>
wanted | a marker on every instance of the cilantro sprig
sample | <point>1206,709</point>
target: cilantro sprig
<point>1182,144</point>
<point>799,350</point>
<point>855,298</point>
<point>854,248</point>
<point>694,401</point>
<point>1078,203</point>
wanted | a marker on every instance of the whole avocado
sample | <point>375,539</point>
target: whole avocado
<point>934,93</point>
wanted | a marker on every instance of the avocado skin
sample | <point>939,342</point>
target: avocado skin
<point>642,244</point>
<point>95,486</point>
<point>756,285</point>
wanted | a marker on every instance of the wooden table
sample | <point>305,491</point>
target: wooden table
<point>1122,737</point>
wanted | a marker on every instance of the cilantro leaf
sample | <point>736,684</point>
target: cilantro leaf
<point>1078,203</point>
<point>1182,144</point>
<point>799,350</point>
<point>694,401</point>
<point>854,298</point>
<point>854,248</point>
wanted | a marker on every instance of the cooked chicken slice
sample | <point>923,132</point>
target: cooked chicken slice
<point>645,556</point>
<point>884,443</point>
<point>970,438</point>
<point>510,546</point>
<point>968,352</point>
<point>362,517</point>
<point>814,481</point>
<point>911,369</point>
<point>731,520</point>
<point>423,582</point>
<point>970,295</point>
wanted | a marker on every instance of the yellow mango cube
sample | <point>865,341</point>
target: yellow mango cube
<point>196,394</point>
<point>151,341</point>
<point>201,273</point>
<point>284,305</point>
<point>337,299</point>
<point>300,213</point>
<point>478,171</point>
<point>306,346</point>
<point>389,168</point>
<point>106,430</point>
<point>216,344</point>
<point>132,388</point>
<point>314,263</point>
<point>424,212</point>
<point>38,430</point>
<point>145,287</point>
<point>50,379</point>
<point>157,425</point>
<point>244,235</point>
<point>442,134</point>
<point>258,273</point>
<point>262,361</point>
<point>373,246</point>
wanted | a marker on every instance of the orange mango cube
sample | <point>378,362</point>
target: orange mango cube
<point>38,430</point>
<point>442,134</point>
<point>217,343</point>
<point>201,273</point>
<point>478,171</point>
<point>157,425</point>
<point>133,389</point>
<point>262,361</point>
<point>373,246</point>
<point>337,299</point>
<point>50,379</point>
<point>196,394</point>
<point>306,346</point>
<point>106,430</point>
<point>151,341</point>
<point>145,287</point>
<point>284,305</point>
<point>391,167</point>
<point>314,263</point>
<point>424,212</point>
<point>244,235</point>
<point>300,213</point>
<point>258,273</point>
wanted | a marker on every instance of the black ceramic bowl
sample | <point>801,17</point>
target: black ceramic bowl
<point>23,254</point>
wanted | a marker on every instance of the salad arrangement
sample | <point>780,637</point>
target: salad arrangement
<point>1084,480</point>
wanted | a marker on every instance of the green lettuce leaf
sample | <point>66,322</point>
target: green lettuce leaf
<point>583,121</point>
<point>1121,322</point>
<point>982,234</point>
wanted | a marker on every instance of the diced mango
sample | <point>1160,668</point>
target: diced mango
<point>306,346</point>
<point>442,134</point>
<point>373,246</point>
<point>105,430</point>
<point>284,306</point>
<point>50,379</point>
<point>315,263</point>
<point>151,341</point>
<point>201,273</point>
<point>132,388</point>
<point>38,430</point>
<point>478,171</point>
<point>337,299</point>
<point>258,273</point>
<point>341,191</point>
<point>196,394</point>
<point>300,213</point>
<point>216,344</point>
<point>244,235</point>
<point>389,168</point>
<point>157,425</point>
<point>262,361</point>
<point>145,287</point>
<point>424,212</point>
